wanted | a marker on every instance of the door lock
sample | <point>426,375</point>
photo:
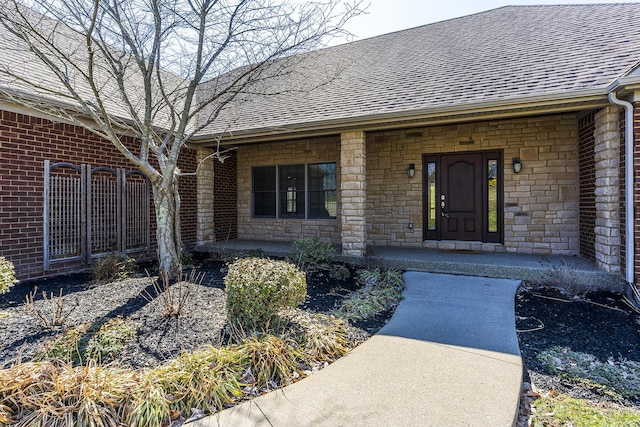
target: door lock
<point>443,205</point>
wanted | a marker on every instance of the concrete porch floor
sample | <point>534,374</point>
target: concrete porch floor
<point>532,268</point>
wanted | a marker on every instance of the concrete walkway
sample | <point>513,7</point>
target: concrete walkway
<point>448,357</point>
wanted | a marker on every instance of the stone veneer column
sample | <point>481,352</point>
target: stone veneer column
<point>607,168</point>
<point>353,193</point>
<point>205,232</point>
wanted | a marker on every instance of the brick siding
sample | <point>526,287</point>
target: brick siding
<point>636,191</point>
<point>25,143</point>
<point>225,201</point>
<point>623,198</point>
<point>586,129</point>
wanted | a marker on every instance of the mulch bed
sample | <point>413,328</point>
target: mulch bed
<point>600,324</point>
<point>158,338</point>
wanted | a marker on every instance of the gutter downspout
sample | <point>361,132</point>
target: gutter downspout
<point>629,187</point>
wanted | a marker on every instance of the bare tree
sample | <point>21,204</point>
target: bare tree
<point>137,68</point>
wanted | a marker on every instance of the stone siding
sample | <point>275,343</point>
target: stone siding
<point>354,193</point>
<point>284,153</point>
<point>541,202</point>
<point>607,191</point>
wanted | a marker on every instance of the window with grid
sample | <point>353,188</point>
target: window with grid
<point>295,191</point>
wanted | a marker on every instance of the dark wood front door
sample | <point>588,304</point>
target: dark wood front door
<point>463,196</point>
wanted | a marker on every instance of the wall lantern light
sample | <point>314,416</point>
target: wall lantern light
<point>412,170</point>
<point>517,164</point>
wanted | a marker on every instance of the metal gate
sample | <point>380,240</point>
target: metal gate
<point>91,212</point>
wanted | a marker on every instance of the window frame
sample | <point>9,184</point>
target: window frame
<point>306,192</point>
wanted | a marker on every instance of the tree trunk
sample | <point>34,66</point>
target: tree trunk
<point>166,202</point>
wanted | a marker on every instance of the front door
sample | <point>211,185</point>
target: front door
<point>463,196</point>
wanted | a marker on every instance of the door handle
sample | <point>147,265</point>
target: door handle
<point>443,205</point>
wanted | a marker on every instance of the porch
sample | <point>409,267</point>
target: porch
<point>528,267</point>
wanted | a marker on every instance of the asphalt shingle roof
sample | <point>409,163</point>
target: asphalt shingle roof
<point>502,55</point>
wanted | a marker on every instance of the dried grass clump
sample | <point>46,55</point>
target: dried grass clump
<point>270,360</point>
<point>116,266</point>
<point>57,395</point>
<point>206,379</point>
<point>80,344</point>
<point>323,337</point>
<point>381,291</point>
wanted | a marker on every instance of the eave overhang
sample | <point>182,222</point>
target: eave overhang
<point>536,105</point>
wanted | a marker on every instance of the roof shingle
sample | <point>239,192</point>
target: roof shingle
<point>505,54</point>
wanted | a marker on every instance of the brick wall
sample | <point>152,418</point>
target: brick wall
<point>225,201</point>
<point>586,129</point>
<point>542,206</point>
<point>636,191</point>
<point>284,153</point>
<point>25,143</point>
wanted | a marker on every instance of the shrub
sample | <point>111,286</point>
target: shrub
<point>310,253</point>
<point>257,289</point>
<point>81,344</point>
<point>186,256</point>
<point>110,340</point>
<point>115,266</point>
<point>7,275</point>
<point>65,347</point>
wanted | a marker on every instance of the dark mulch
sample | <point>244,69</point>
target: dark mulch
<point>600,324</point>
<point>158,337</point>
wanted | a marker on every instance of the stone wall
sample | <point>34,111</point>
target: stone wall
<point>284,153</point>
<point>354,193</point>
<point>607,191</point>
<point>541,202</point>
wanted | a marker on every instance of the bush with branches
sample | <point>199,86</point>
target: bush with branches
<point>115,266</point>
<point>7,275</point>
<point>257,289</point>
<point>313,252</point>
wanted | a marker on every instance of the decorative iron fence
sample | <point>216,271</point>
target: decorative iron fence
<point>91,212</point>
